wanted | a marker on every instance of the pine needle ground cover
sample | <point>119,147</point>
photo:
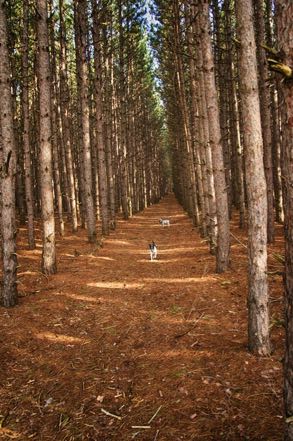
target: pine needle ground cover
<point>116,347</point>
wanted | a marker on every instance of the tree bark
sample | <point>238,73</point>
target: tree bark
<point>65,118</point>
<point>223,82</point>
<point>100,142</point>
<point>236,161</point>
<point>109,112</point>
<point>223,237</point>
<point>285,40</point>
<point>188,177</point>
<point>121,122</point>
<point>29,197</point>
<point>206,153</point>
<point>265,114</point>
<point>9,291</point>
<point>45,155</point>
<point>258,320</point>
<point>56,138</point>
<point>81,9</point>
<point>275,111</point>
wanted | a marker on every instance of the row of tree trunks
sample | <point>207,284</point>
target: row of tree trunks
<point>102,131</point>
<point>199,147</point>
<point>79,127</point>
<point>205,162</point>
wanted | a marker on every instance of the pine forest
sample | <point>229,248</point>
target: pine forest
<point>146,194</point>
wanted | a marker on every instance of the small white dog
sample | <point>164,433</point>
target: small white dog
<point>165,222</point>
<point>153,250</point>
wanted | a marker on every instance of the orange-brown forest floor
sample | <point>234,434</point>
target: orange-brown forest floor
<point>116,347</point>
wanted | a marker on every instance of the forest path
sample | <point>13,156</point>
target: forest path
<point>161,345</point>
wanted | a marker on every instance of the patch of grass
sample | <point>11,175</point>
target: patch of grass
<point>277,322</point>
<point>153,316</point>
<point>176,309</point>
<point>207,317</point>
<point>226,282</point>
<point>111,330</point>
<point>179,373</point>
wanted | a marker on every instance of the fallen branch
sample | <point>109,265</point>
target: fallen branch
<point>141,427</point>
<point>238,240</point>
<point>156,436</point>
<point>280,299</point>
<point>275,256</point>
<point>111,414</point>
<point>155,414</point>
<point>275,273</point>
<point>205,270</point>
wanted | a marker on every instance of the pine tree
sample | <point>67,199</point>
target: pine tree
<point>8,170</point>
<point>81,29</point>
<point>258,317</point>
<point>285,37</point>
<point>45,134</point>
<point>223,238</point>
<point>29,197</point>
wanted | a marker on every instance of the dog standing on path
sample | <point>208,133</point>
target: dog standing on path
<point>153,250</point>
<point>165,222</point>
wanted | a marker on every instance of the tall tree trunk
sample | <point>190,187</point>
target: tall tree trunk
<point>237,178</point>
<point>199,218</point>
<point>81,10</point>
<point>56,139</point>
<point>45,155</point>
<point>122,120</point>
<point>35,134</point>
<point>15,80</point>
<point>65,117</point>
<point>223,238</point>
<point>78,132</point>
<point>188,178</point>
<point>223,82</point>
<point>93,137</point>
<point>9,291</point>
<point>26,127</point>
<point>258,320</point>
<point>265,114</point>
<point>109,112</point>
<point>285,40</point>
<point>206,153</point>
<point>100,142</point>
<point>276,136</point>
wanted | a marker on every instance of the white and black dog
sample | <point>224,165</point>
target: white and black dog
<point>153,250</point>
<point>165,222</point>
